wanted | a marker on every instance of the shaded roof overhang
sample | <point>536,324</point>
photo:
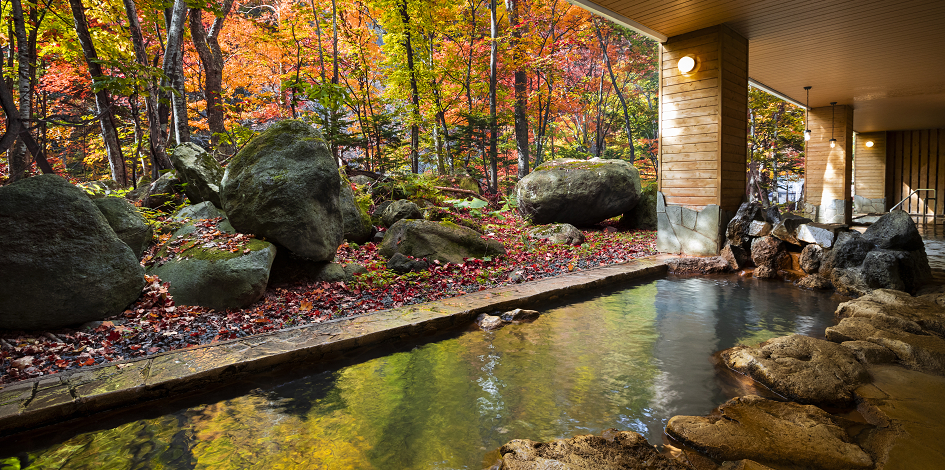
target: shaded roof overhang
<point>885,58</point>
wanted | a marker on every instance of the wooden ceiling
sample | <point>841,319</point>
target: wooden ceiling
<point>886,58</point>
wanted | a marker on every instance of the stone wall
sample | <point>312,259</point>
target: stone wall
<point>833,212</point>
<point>681,230</point>
<point>863,205</point>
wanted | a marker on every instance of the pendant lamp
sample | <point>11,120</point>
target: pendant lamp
<point>833,106</point>
<point>807,119</point>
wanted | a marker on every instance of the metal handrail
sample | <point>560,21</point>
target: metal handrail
<point>910,195</point>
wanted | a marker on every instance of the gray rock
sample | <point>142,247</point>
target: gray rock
<point>353,269</point>
<point>771,432</point>
<point>815,282</point>
<point>578,192</point>
<point>520,315</point>
<point>130,226</point>
<point>736,257</point>
<point>199,170</point>
<point>895,231</point>
<point>773,215</point>
<point>163,193</point>
<point>362,180</point>
<point>881,269</point>
<point>488,322</point>
<point>927,311</point>
<point>207,264</point>
<point>759,228</point>
<point>823,235</point>
<point>810,258</point>
<point>802,368</point>
<point>378,237</point>
<point>284,185</point>
<point>612,450</point>
<point>357,223</point>
<point>643,215</point>
<point>738,228</point>
<point>380,207</point>
<point>562,234</point>
<point>786,229</point>
<point>401,264</point>
<point>99,189</point>
<point>849,251</point>
<point>711,265</point>
<point>849,281</point>
<point>439,241</point>
<point>400,209</point>
<point>870,353</point>
<point>60,261</point>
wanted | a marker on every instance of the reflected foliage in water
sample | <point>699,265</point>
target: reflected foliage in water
<point>629,359</point>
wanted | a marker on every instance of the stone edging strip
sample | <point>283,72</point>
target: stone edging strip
<point>46,400</point>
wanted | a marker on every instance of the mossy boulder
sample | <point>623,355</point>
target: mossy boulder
<point>440,241</point>
<point>207,264</point>
<point>563,234</point>
<point>357,223</point>
<point>643,216</point>
<point>400,209</point>
<point>99,189</point>
<point>284,186</point>
<point>60,262</point>
<point>163,193</point>
<point>198,169</point>
<point>130,226</point>
<point>578,192</point>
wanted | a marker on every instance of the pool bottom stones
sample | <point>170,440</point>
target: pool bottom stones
<point>73,394</point>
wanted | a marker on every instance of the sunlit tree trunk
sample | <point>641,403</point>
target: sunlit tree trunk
<point>414,94</point>
<point>493,124</point>
<point>208,48</point>
<point>103,101</point>
<point>173,67</point>
<point>521,92</point>
<point>19,161</point>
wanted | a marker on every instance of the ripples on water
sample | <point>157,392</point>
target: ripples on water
<point>629,359</point>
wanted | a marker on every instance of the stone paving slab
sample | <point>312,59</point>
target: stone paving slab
<point>66,395</point>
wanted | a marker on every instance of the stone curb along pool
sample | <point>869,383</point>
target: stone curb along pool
<point>60,397</point>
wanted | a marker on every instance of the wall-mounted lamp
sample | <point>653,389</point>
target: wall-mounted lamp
<point>833,106</point>
<point>807,119</point>
<point>686,64</point>
<point>869,143</point>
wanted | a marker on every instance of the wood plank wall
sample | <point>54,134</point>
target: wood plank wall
<point>869,165</point>
<point>916,159</point>
<point>829,171</point>
<point>704,119</point>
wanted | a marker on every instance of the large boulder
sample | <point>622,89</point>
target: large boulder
<point>163,193</point>
<point>738,228</point>
<point>802,368</point>
<point>578,192</point>
<point>822,235</point>
<point>199,170</point>
<point>849,251</point>
<point>912,346</point>
<point>612,450</point>
<point>810,258</point>
<point>563,234</point>
<point>769,256</point>
<point>284,186</point>
<point>357,223</point>
<point>400,209</point>
<point>895,231</point>
<point>786,228</point>
<point>927,311</point>
<point>130,226</point>
<point>771,432</point>
<point>207,264</point>
<point>440,241</point>
<point>60,261</point>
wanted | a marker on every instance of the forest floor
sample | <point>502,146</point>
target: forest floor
<point>153,324</point>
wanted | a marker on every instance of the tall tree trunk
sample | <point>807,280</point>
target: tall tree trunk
<point>521,93</point>
<point>103,101</point>
<point>493,124</point>
<point>18,157</point>
<point>414,94</point>
<point>613,82</point>
<point>173,67</point>
<point>159,158</point>
<point>208,48</point>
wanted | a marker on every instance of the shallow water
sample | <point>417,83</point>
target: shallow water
<point>629,359</point>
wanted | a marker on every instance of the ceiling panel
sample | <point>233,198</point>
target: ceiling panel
<point>886,58</point>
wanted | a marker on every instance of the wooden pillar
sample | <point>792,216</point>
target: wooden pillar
<point>829,170</point>
<point>869,173</point>
<point>703,138</point>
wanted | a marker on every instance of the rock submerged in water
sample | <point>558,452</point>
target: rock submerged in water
<point>802,368</point>
<point>445,242</point>
<point>284,186</point>
<point>60,261</point>
<point>200,171</point>
<point>771,432</point>
<point>130,226</point>
<point>207,264</point>
<point>612,450</point>
<point>578,192</point>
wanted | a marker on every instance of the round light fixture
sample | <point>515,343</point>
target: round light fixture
<point>869,143</point>
<point>807,135</point>
<point>833,143</point>
<point>686,64</point>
